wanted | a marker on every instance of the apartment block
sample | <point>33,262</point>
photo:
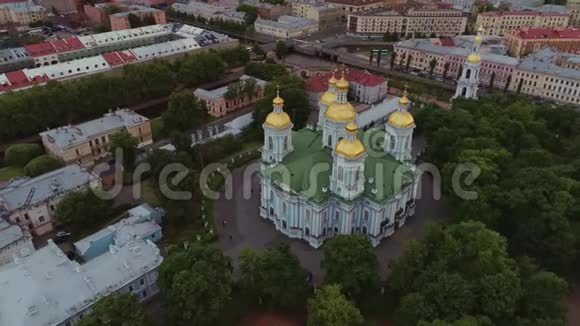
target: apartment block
<point>325,14</point>
<point>21,13</point>
<point>286,26</point>
<point>121,21</point>
<point>87,142</point>
<point>441,22</point>
<point>499,22</point>
<point>525,41</point>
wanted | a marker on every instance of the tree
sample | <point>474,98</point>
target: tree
<point>83,212</point>
<point>21,154</point>
<point>507,83</point>
<point>184,112</point>
<point>350,261</point>
<point>281,49</point>
<point>181,141</point>
<point>329,307</point>
<point>274,277</point>
<point>42,164</point>
<point>251,13</point>
<point>134,20</point>
<point>445,69</point>
<point>393,59</point>
<point>432,65</point>
<point>520,84</point>
<point>195,284</point>
<point>265,71</point>
<point>127,144</point>
<point>116,310</point>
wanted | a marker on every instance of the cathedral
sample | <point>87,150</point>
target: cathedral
<point>334,179</point>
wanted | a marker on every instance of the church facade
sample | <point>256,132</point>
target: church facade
<point>320,182</point>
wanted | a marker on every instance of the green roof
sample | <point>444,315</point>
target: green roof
<point>303,163</point>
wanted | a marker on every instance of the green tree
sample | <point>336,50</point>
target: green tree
<point>275,277</point>
<point>83,212</point>
<point>21,154</point>
<point>265,71</point>
<point>329,307</point>
<point>42,164</point>
<point>251,13</point>
<point>281,49</point>
<point>181,141</point>
<point>409,58</point>
<point>195,284</point>
<point>350,261</point>
<point>127,145</point>
<point>116,310</point>
<point>445,69</point>
<point>184,112</point>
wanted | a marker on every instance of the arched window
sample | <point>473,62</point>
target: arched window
<point>270,143</point>
<point>366,216</point>
<point>391,142</point>
<point>464,91</point>
<point>467,73</point>
<point>307,231</point>
<point>340,173</point>
<point>329,140</point>
<point>364,230</point>
<point>307,216</point>
<point>285,143</point>
<point>336,230</point>
<point>336,216</point>
<point>357,175</point>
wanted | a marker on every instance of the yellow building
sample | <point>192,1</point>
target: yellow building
<point>325,14</point>
<point>441,22</point>
<point>499,22</point>
<point>21,13</point>
<point>525,41</point>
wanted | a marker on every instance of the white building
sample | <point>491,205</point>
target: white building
<point>31,203</point>
<point>286,26</point>
<point>13,242</point>
<point>46,288</point>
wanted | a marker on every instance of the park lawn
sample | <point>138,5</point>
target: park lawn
<point>11,172</point>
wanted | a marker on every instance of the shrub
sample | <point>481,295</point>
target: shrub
<point>21,154</point>
<point>42,164</point>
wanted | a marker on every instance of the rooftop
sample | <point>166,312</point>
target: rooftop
<point>543,33</point>
<point>136,9</point>
<point>521,13</point>
<point>67,136</point>
<point>218,93</point>
<point>319,83</point>
<point>287,22</point>
<point>17,192</point>
<point>379,170</point>
<point>9,233</point>
<point>46,288</point>
<point>544,61</point>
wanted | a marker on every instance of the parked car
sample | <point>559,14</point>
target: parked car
<point>61,237</point>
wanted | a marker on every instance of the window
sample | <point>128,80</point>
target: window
<point>18,220</point>
<point>285,143</point>
<point>41,219</point>
<point>144,294</point>
<point>131,288</point>
<point>340,173</point>
<point>26,216</point>
<point>270,143</point>
<point>142,282</point>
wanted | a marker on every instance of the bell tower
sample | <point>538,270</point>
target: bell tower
<point>277,133</point>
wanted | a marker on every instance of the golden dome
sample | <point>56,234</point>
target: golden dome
<point>278,100</point>
<point>350,148</point>
<point>332,80</point>
<point>478,39</point>
<point>401,119</point>
<point>342,83</point>
<point>328,98</point>
<point>474,58</point>
<point>404,100</point>
<point>340,112</point>
<point>351,127</point>
<point>278,120</point>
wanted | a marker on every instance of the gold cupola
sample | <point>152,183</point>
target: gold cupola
<point>402,118</point>
<point>341,110</point>
<point>350,147</point>
<point>278,119</point>
<point>474,58</point>
<point>329,96</point>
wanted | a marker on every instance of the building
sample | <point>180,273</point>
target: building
<point>317,184</point>
<point>525,41</point>
<point>440,22</point>
<point>541,74</point>
<point>500,22</point>
<point>77,57</point>
<point>356,6</point>
<point>286,26</point>
<point>325,14</point>
<point>468,82</point>
<point>120,20</point>
<point>47,288</point>
<point>220,103</point>
<point>31,202</point>
<point>14,242</point>
<point>364,86</point>
<point>267,10</point>
<point>573,7</point>
<point>142,222</point>
<point>495,70</point>
<point>21,13</point>
<point>88,142</point>
<point>14,59</point>
<point>60,6</point>
<point>463,5</point>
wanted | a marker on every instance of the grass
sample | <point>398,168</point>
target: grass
<point>11,172</point>
<point>148,193</point>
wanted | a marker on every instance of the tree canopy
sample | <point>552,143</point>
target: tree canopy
<point>528,188</point>
<point>350,261</point>
<point>21,154</point>
<point>116,310</point>
<point>465,270</point>
<point>329,307</point>
<point>42,164</point>
<point>83,212</point>
<point>127,145</point>
<point>274,277</point>
<point>196,285</point>
<point>184,112</point>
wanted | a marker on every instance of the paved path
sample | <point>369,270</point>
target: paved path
<point>249,230</point>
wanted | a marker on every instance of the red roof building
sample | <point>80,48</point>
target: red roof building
<point>366,87</point>
<point>40,49</point>
<point>527,40</point>
<point>501,22</point>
